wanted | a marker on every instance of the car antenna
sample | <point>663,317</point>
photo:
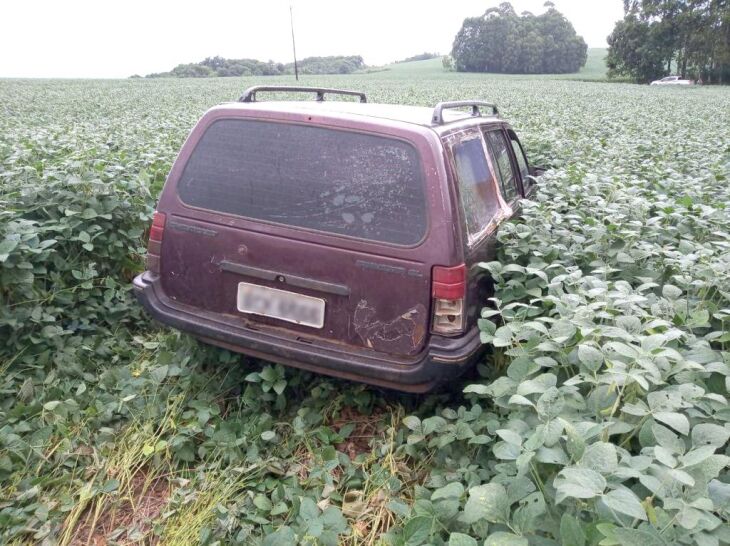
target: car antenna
<point>293,43</point>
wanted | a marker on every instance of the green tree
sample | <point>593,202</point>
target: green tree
<point>692,37</point>
<point>634,51</point>
<point>504,42</point>
<point>219,66</point>
<point>192,70</point>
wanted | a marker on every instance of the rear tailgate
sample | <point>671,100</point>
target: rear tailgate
<point>322,234</point>
<point>361,296</point>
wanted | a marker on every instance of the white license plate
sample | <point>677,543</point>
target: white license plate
<point>280,304</point>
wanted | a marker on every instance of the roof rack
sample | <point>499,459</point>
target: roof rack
<point>438,117</point>
<point>250,94</point>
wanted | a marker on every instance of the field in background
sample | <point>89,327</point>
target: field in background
<point>600,415</point>
<point>594,69</point>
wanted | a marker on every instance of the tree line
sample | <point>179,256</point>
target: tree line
<point>221,67</point>
<point>504,42</point>
<point>690,38</point>
<point>419,57</point>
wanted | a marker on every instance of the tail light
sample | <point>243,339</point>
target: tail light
<point>448,292</point>
<point>155,243</point>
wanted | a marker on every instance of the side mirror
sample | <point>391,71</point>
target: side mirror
<point>537,170</point>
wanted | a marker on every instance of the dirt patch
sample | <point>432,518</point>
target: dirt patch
<point>367,427</point>
<point>127,519</point>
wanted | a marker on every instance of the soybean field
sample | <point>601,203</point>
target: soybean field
<point>599,416</point>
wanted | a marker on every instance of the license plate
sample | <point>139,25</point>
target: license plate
<point>280,304</point>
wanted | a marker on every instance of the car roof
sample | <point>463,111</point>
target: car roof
<point>417,115</point>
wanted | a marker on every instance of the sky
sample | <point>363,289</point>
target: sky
<point>103,39</point>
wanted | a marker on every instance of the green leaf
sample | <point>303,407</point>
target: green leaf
<point>52,405</point>
<point>590,357</point>
<point>574,443</point>
<point>712,466</point>
<point>262,502</point>
<point>460,539</point>
<point>677,421</point>
<point>476,388</point>
<point>697,455</point>
<point>520,400</point>
<point>489,502</point>
<point>520,368</point>
<point>539,384</point>
<point>671,292</point>
<point>667,438</point>
<point>505,539</point>
<point>510,437</point>
<point>433,424</point>
<point>623,349</point>
<point>579,483</point>
<point>447,508</point>
<point>519,488</point>
<point>550,403</point>
<point>412,422</point>
<point>506,451</point>
<point>486,325</point>
<point>279,508</point>
<point>109,486</point>
<point>601,457</point>
<point>709,434</point>
<point>283,535</point>
<point>308,509</point>
<point>502,337</point>
<point>664,456</point>
<point>399,508</point>
<point>417,531</point>
<point>561,331</point>
<point>334,520</point>
<point>637,537</point>
<point>6,247</point>
<point>571,531</point>
<point>268,374</point>
<point>159,373</point>
<point>625,502</point>
<point>452,490</point>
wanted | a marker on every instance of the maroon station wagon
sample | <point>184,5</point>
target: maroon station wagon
<point>341,237</point>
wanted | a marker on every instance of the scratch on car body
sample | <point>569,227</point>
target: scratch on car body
<point>402,334</point>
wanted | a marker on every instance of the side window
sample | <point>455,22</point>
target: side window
<point>501,158</point>
<point>477,187</point>
<point>521,159</point>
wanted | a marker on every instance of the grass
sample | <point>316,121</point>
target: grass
<point>594,69</point>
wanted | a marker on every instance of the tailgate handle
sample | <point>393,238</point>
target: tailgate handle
<point>292,280</point>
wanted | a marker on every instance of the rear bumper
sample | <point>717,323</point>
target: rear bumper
<point>442,360</point>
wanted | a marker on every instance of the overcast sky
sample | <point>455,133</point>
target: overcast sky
<point>103,39</point>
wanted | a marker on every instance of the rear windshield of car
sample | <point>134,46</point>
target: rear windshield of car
<point>337,181</point>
